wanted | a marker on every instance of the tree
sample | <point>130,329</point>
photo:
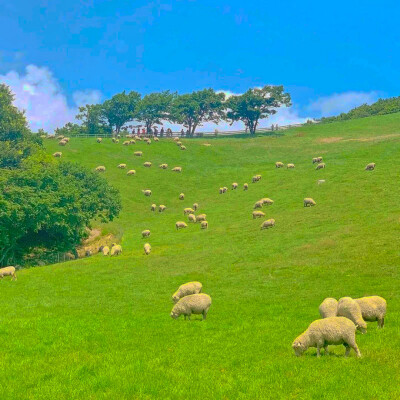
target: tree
<point>120,109</point>
<point>193,109</point>
<point>154,108</point>
<point>92,118</point>
<point>256,104</point>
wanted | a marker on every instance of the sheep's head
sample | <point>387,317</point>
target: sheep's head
<point>175,298</point>
<point>174,315</point>
<point>362,327</point>
<point>298,347</point>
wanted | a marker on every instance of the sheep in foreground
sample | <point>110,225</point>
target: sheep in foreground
<point>181,196</point>
<point>147,249</point>
<point>370,167</point>
<point>204,224</point>
<point>153,207</point>
<point>258,204</point>
<point>99,140</point>
<point>290,166</point>
<point>177,169</point>
<point>328,308</point>
<point>245,186</point>
<point>147,164</point>
<point>188,211</point>
<point>373,308</point>
<point>309,202</point>
<point>258,214</point>
<point>57,154</point>
<point>279,164</point>
<point>131,172</point>
<point>349,308</point>
<point>147,192</point>
<point>325,332</point>
<point>180,225</point>
<point>122,166</point>
<point>145,233</point>
<point>187,289</point>
<point>8,271</point>
<point>116,250</point>
<point>100,168</point>
<point>234,185</point>
<point>192,218</point>
<point>138,153</point>
<point>195,206</point>
<point>161,208</point>
<point>320,166</point>
<point>267,201</point>
<point>105,250</point>
<point>316,160</point>
<point>201,217</point>
<point>192,304</point>
<point>269,223</point>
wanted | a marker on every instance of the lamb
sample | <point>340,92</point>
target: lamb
<point>147,192</point>
<point>269,223</point>
<point>349,308</point>
<point>192,218</point>
<point>316,160</point>
<point>147,164</point>
<point>182,196</point>
<point>204,224</point>
<point>100,168</point>
<point>116,249</point>
<point>192,304</point>
<point>289,166</point>
<point>373,308</point>
<point>145,233</point>
<point>188,211</point>
<point>99,140</point>
<point>195,206</point>
<point>328,308</point>
<point>180,225</point>
<point>245,186</point>
<point>370,167</point>
<point>187,289</point>
<point>258,204</point>
<point>163,166</point>
<point>234,185</point>
<point>122,166</point>
<point>161,208</point>
<point>309,202</point>
<point>105,250</point>
<point>279,164</point>
<point>258,214</point>
<point>327,331</point>
<point>201,217</point>
<point>57,154</point>
<point>267,201</point>
<point>183,147</point>
<point>8,271</point>
<point>138,153</point>
<point>153,207</point>
<point>320,166</point>
<point>131,172</point>
<point>177,169</point>
<point>147,249</point>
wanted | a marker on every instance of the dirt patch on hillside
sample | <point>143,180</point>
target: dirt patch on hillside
<point>93,243</point>
<point>361,139</point>
<point>330,140</point>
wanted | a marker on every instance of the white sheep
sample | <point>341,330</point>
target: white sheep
<point>105,250</point>
<point>269,223</point>
<point>320,166</point>
<point>192,304</point>
<point>145,233</point>
<point>177,169</point>
<point>370,167</point>
<point>8,271</point>
<point>181,196</point>
<point>180,225</point>
<point>245,186</point>
<point>201,217</point>
<point>267,201</point>
<point>99,140</point>
<point>290,166</point>
<point>126,143</point>
<point>325,332</point>
<point>147,249</point>
<point>156,139</point>
<point>256,178</point>
<point>161,208</point>
<point>234,185</point>
<point>258,214</point>
<point>116,249</point>
<point>188,211</point>
<point>316,160</point>
<point>131,172</point>
<point>179,144</point>
<point>328,308</point>
<point>147,192</point>
<point>62,143</point>
<point>149,141</point>
<point>100,168</point>
<point>309,202</point>
<point>147,164</point>
<point>192,218</point>
<point>373,308</point>
<point>187,289</point>
<point>224,189</point>
<point>122,166</point>
<point>183,147</point>
<point>138,153</point>
<point>279,164</point>
<point>195,206</point>
<point>221,190</point>
<point>153,207</point>
<point>204,224</point>
<point>57,154</point>
<point>349,308</point>
<point>258,204</point>
<point>132,141</point>
<point>176,139</point>
<point>163,166</point>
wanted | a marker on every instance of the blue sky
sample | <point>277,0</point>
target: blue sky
<point>330,56</point>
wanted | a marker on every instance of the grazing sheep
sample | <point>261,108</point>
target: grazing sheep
<point>183,147</point>
<point>62,143</point>
<point>132,141</point>
<point>256,178</point>
<point>145,233</point>
<point>290,166</point>
<point>192,218</point>
<point>309,202</point>
<point>131,172</point>
<point>269,223</point>
<point>163,166</point>
<point>147,164</point>
<point>245,186</point>
<point>186,290</point>
<point>100,168</point>
<point>57,154</point>
<point>328,308</point>
<point>320,166</point>
<point>148,141</point>
<point>370,167</point>
<point>258,204</point>
<point>195,206</point>
<point>204,224</point>
<point>182,196</point>
<point>113,139</point>
<point>267,201</point>
<point>201,217</point>
<point>349,308</point>
<point>316,160</point>
<point>373,308</point>
<point>8,271</point>
<point>147,249</point>
<point>188,211</point>
<point>176,139</point>
<point>177,169</point>
<point>221,190</point>
<point>179,143</point>
<point>138,153</point>
<point>258,214</point>
<point>153,207</point>
<point>279,164</point>
<point>126,143</point>
<point>325,332</point>
<point>180,225</point>
<point>66,139</point>
<point>321,181</point>
<point>161,208</point>
<point>155,139</point>
<point>122,166</point>
<point>192,304</point>
<point>99,140</point>
<point>234,185</point>
<point>105,250</point>
<point>225,189</point>
<point>116,249</point>
<point>147,192</point>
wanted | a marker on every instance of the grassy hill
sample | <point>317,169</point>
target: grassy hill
<point>99,328</point>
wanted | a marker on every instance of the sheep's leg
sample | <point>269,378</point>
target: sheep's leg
<point>318,351</point>
<point>205,314</point>
<point>326,349</point>
<point>381,322</point>
<point>14,277</point>
<point>346,354</point>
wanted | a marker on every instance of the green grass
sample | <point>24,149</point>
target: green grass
<point>99,328</point>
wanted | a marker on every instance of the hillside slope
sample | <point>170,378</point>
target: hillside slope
<point>100,328</point>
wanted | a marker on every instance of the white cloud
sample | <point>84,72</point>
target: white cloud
<point>40,95</point>
<point>341,102</point>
